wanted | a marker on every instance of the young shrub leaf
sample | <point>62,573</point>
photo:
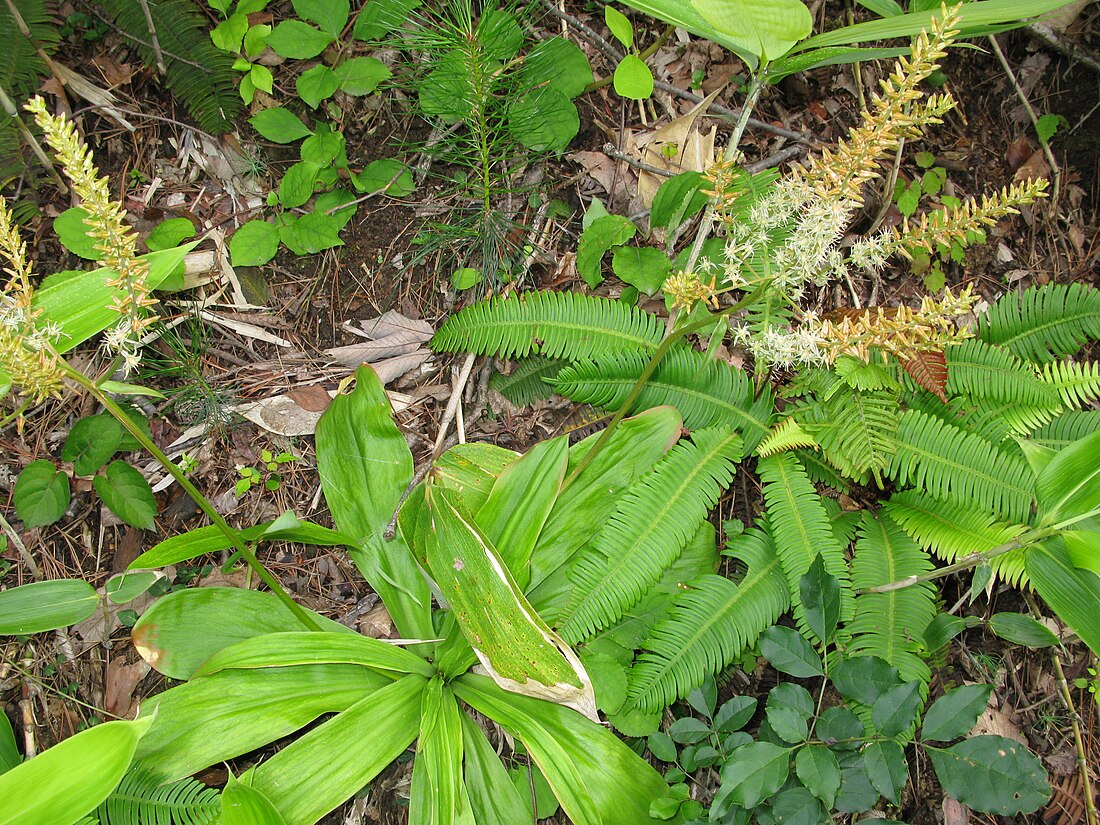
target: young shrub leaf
<point>1023,630</point>
<point>954,713</point>
<point>895,711</point>
<point>753,773</point>
<point>884,762</point>
<point>864,678</point>
<point>789,652</point>
<point>41,494</point>
<point>128,495</point>
<point>991,774</point>
<point>92,441</point>
<point>820,592</point>
<point>817,767</point>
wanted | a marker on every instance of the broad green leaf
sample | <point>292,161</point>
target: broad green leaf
<point>752,774</point>
<point>590,769</point>
<point>840,725</point>
<point>1024,630</point>
<point>9,753</point>
<point>820,591</point>
<point>977,15</point>
<point>316,84</point>
<point>688,730</point>
<point>169,233</point>
<point>330,15</point>
<point>734,713</point>
<point>298,40</point>
<point>92,440</point>
<point>379,17</point>
<point>311,234</point>
<point>817,767</point>
<point>41,494</point>
<point>304,648</point>
<point>361,75</point>
<point>883,8</point>
<point>662,747</point>
<point>520,502</point>
<point>603,234</point>
<point>324,147</point>
<point>633,78</point>
<point>895,711</point>
<point>435,794</point>
<point>1083,549</point>
<point>1071,592</point>
<point>228,34</point>
<point>543,119</point>
<point>511,641</point>
<point>254,244</point>
<point>336,198</point>
<point>60,785</point>
<point>219,717</point>
<point>323,768</point>
<point>495,800</point>
<point>559,64</point>
<point>185,628</point>
<point>641,266</point>
<point>619,24</point>
<point>1069,485</point>
<point>365,466</point>
<point>864,678</point>
<point>954,713</point>
<point>991,774</point>
<point>884,762</point>
<point>278,124</point>
<point>297,184</point>
<point>789,653</point>
<point>125,587</point>
<point>5,383</point>
<point>81,302</point>
<point>500,34</point>
<point>244,805</point>
<point>788,711</point>
<point>386,173</point>
<point>466,277</point>
<point>127,494</point>
<point>71,230</point>
<point>255,41</point>
<point>211,539</point>
<point>678,199</point>
<point>45,605</point>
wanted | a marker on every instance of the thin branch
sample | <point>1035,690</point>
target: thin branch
<point>153,36</point>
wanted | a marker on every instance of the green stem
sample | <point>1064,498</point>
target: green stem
<point>239,545</point>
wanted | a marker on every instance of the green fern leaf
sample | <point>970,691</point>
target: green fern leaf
<point>890,625</point>
<point>528,381</point>
<point>648,530</point>
<point>861,375</point>
<point>951,531</point>
<point>954,465</point>
<point>855,429</point>
<point>199,74</point>
<point>981,370</point>
<point>712,622</point>
<point>707,392</point>
<point>800,528</point>
<point>139,800</point>
<point>821,471</point>
<point>786,435</point>
<point>554,324</point>
<point>1070,426</point>
<point>1044,322</point>
<point>1076,384</point>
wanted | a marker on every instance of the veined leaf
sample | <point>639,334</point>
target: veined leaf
<point>1072,593</point>
<point>647,531</point>
<point>493,797</point>
<point>1069,485</point>
<point>436,793</point>
<point>45,605</point>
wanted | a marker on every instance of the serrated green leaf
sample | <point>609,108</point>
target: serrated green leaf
<point>819,771</point>
<point>678,199</point>
<point>92,440</point>
<point>884,762</point>
<point>330,15</point>
<point>600,236</point>
<point>752,774</point>
<point>41,494</point>
<point>788,710</point>
<point>559,64</point>
<point>297,184</point>
<point>127,494</point>
<point>543,119</point>
<point>311,233</point>
<point>45,605</point>
<point>895,711</point>
<point>279,125</point>
<point>991,774</point>
<point>71,230</point>
<point>386,173</point>
<point>316,84</point>
<point>734,713</point>
<point>641,266</point>
<point>864,678</point>
<point>169,233</point>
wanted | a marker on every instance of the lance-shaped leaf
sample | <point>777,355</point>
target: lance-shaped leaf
<point>1072,593</point>
<point>513,515</point>
<point>365,465</point>
<point>219,717</point>
<point>319,771</point>
<point>67,781</point>
<point>1069,485</point>
<point>45,605</point>
<point>595,776</point>
<point>244,805</point>
<point>648,530</point>
<point>493,797</point>
<point>510,639</point>
<point>436,794</point>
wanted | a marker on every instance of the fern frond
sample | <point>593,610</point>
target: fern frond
<point>20,65</point>
<point>861,375</point>
<point>951,531</point>
<point>800,529</point>
<point>821,471</point>
<point>957,466</point>
<point>707,392</point>
<point>208,89</point>
<point>712,622</point>
<point>528,381</point>
<point>771,311</point>
<point>554,324</point>
<point>786,435</point>
<point>1077,384</point>
<point>140,800</point>
<point>1044,322</point>
<point>890,625</point>
<point>855,429</point>
<point>1070,426</point>
<point>928,370</point>
<point>648,530</point>
<point>982,370</point>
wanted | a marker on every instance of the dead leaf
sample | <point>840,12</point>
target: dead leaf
<point>120,682</point>
<point>954,813</point>
<point>678,146</point>
<point>1035,167</point>
<point>312,398</point>
<point>995,722</point>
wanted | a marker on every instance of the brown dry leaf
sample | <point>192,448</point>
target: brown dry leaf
<point>678,146</point>
<point>1035,167</point>
<point>954,813</point>
<point>312,398</point>
<point>120,682</point>
<point>616,182</point>
<point>995,722</point>
<point>377,624</point>
<point>113,72</point>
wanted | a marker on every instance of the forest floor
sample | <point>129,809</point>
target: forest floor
<point>267,339</point>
